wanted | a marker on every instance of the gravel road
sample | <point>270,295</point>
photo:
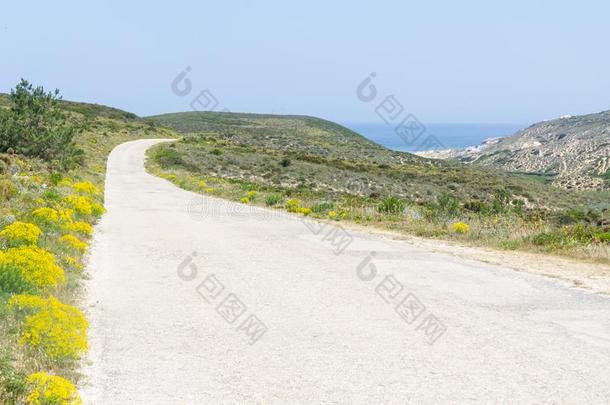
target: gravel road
<point>195,300</point>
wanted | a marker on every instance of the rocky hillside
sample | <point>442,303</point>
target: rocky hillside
<point>571,152</point>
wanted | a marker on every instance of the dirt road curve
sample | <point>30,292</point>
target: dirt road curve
<point>196,301</point>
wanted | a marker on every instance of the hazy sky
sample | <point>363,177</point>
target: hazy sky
<point>445,61</point>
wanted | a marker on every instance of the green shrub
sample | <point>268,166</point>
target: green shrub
<point>391,205</point>
<point>13,384</point>
<point>448,205</point>
<point>500,201</point>
<point>36,126</point>
<point>273,199</point>
<point>577,215</point>
<point>12,281</point>
<point>55,178</point>
<point>474,205</point>
<point>51,195</point>
<point>580,233</point>
<point>547,239</point>
<point>518,206</point>
<point>323,207</point>
<point>603,237</point>
<point>568,235</point>
<point>167,157</point>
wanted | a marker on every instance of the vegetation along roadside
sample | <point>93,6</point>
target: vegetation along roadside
<point>52,166</point>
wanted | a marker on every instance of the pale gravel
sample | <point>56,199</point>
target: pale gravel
<point>512,337</point>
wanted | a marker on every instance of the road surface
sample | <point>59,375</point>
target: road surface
<point>194,300</point>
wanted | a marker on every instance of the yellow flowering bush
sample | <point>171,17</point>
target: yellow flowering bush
<point>36,266</point>
<point>46,389</point>
<point>202,184</point>
<point>66,215</point>
<point>74,242</point>
<point>57,329</point>
<point>46,215</point>
<point>304,210</point>
<point>210,190</point>
<point>245,200</point>
<point>97,209</point>
<point>85,187</point>
<point>332,214</point>
<point>460,227</point>
<point>80,204</point>
<point>84,228</point>
<point>293,205</point>
<point>251,194</point>
<point>26,303</point>
<point>21,233</point>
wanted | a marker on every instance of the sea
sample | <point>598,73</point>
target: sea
<point>446,136</point>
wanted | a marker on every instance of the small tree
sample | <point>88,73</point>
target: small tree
<point>35,125</point>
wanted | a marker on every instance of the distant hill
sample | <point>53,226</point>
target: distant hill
<point>294,133</point>
<point>304,152</point>
<point>569,152</point>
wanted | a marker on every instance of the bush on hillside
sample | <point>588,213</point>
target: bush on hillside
<point>36,126</point>
<point>391,205</point>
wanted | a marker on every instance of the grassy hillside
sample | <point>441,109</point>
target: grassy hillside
<point>306,152</point>
<point>46,215</point>
<point>331,172</point>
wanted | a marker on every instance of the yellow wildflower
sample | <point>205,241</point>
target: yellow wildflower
<point>57,329</point>
<point>74,242</point>
<point>46,215</point>
<point>305,211</point>
<point>66,215</point>
<point>80,204</point>
<point>460,227</point>
<point>21,233</point>
<point>85,187</point>
<point>293,205</point>
<point>81,227</point>
<point>45,389</point>
<point>35,265</point>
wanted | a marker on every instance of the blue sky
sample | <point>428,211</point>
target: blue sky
<point>445,61</point>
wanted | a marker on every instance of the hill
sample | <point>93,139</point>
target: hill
<point>312,153</point>
<point>569,152</point>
